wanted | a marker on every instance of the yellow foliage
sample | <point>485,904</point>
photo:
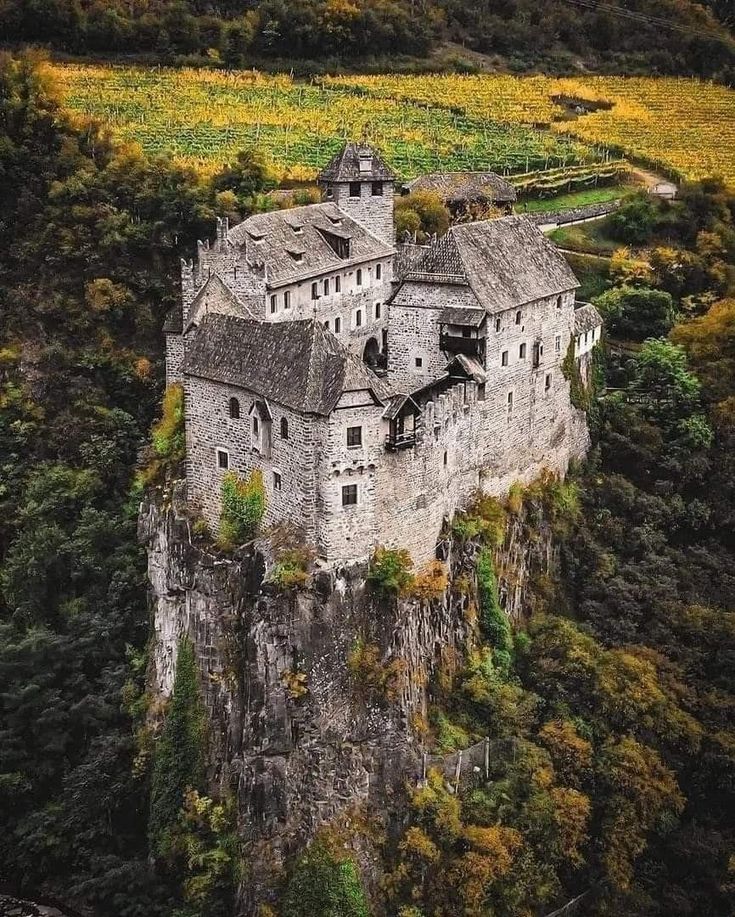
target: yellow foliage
<point>416,844</point>
<point>572,811</point>
<point>570,753</point>
<point>431,582</point>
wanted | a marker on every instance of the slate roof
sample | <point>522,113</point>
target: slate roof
<point>466,186</point>
<point>586,317</point>
<point>299,364</point>
<point>506,263</point>
<point>345,166</point>
<point>457,316</point>
<point>470,365</point>
<point>276,239</point>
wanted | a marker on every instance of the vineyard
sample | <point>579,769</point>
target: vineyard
<point>574,129</point>
<point>205,116</point>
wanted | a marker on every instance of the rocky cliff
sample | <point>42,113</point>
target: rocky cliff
<point>304,734</point>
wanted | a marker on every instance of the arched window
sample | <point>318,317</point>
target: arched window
<point>284,428</point>
<point>234,408</point>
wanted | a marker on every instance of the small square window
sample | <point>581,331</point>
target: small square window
<point>377,311</point>
<point>547,383</point>
<point>349,495</point>
<point>378,271</point>
<point>354,437</point>
<point>377,188</point>
<point>504,358</point>
<point>522,352</point>
<point>277,481</point>
<point>354,189</point>
<point>274,303</point>
<point>337,325</point>
<point>419,362</point>
<point>223,459</point>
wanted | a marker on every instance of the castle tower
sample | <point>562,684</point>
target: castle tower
<point>359,182</point>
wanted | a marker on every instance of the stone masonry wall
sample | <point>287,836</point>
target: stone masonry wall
<point>209,427</point>
<point>374,212</point>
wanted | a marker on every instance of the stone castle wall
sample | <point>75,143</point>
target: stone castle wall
<point>209,427</point>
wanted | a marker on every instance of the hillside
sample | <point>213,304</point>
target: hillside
<point>652,36</point>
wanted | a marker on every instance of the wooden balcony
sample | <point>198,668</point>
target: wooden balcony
<point>396,441</point>
<point>470,347</point>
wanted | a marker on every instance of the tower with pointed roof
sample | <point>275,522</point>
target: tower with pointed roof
<point>360,183</point>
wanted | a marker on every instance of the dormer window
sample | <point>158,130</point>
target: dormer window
<point>297,256</point>
<point>256,238</point>
<point>335,221</point>
<point>299,230</point>
<point>355,189</point>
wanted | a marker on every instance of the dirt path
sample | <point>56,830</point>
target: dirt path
<point>648,178</point>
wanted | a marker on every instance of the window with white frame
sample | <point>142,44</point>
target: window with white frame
<point>277,480</point>
<point>557,344</point>
<point>326,286</point>
<point>522,352</point>
<point>337,325</point>
<point>287,299</point>
<point>358,277</point>
<point>497,324</point>
<point>358,318</point>
<point>274,303</point>
<point>378,271</point>
<point>337,284</point>
<point>504,358</point>
<point>315,290</point>
<point>510,404</point>
<point>377,311</point>
<point>518,317</point>
<point>223,459</point>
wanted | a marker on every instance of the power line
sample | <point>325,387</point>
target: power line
<point>647,19</point>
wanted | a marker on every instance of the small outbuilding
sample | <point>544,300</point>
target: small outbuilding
<point>666,190</point>
<point>463,191</point>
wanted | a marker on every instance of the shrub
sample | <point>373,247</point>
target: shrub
<point>484,518</point>
<point>390,571</point>
<point>293,558</point>
<point>243,506</point>
<point>493,620</point>
<point>325,882</point>
<point>371,675</point>
<point>168,439</point>
<point>636,312</point>
<point>431,582</point>
<point>578,394</point>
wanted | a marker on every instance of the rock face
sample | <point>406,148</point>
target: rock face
<point>303,733</point>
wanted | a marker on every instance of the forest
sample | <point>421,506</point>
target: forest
<point>611,713</point>
<point>649,36</point>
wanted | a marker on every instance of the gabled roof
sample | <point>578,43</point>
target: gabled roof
<point>216,292</point>
<point>345,166</point>
<point>586,317</point>
<point>506,263</point>
<point>465,186</point>
<point>298,364</point>
<point>397,403</point>
<point>295,244</point>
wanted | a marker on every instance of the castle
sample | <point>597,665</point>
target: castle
<point>375,389</point>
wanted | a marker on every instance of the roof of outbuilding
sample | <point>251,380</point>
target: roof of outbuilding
<point>506,263</point>
<point>345,165</point>
<point>465,186</point>
<point>298,364</point>
<point>293,244</point>
<point>586,317</point>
